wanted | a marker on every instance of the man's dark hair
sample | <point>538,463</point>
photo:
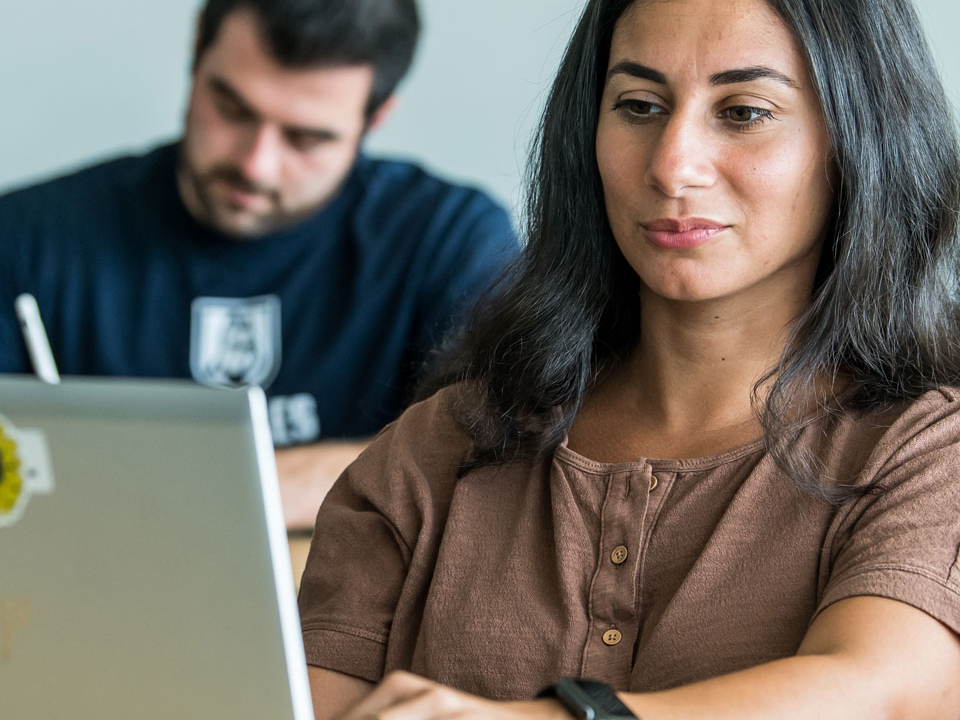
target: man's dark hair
<point>884,312</point>
<point>308,34</point>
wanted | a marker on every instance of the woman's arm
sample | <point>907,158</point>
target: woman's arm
<point>864,658</point>
<point>334,693</point>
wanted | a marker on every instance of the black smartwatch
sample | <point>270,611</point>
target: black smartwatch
<point>588,699</point>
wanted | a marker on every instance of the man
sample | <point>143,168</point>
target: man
<point>263,248</point>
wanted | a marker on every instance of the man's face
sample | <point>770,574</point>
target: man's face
<point>266,146</point>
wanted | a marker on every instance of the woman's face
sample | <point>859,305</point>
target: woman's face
<point>713,152</point>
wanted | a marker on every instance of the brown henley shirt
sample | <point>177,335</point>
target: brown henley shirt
<point>645,575</point>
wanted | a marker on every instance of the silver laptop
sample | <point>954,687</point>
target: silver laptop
<point>144,570</point>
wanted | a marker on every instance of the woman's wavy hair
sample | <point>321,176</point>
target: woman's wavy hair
<point>884,310</point>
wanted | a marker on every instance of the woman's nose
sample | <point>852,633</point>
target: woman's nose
<point>681,157</point>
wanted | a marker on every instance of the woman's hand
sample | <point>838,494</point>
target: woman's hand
<point>403,696</point>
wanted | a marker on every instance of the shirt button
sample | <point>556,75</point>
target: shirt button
<point>654,481</point>
<point>619,555</point>
<point>612,637</point>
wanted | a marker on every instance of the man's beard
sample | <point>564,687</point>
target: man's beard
<point>215,213</point>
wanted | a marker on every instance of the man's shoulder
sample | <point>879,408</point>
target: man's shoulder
<point>415,207</point>
<point>87,185</point>
<point>396,184</point>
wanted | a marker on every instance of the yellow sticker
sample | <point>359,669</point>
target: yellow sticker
<point>11,482</point>
<point>25,470</point>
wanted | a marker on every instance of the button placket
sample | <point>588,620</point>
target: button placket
<point>661,482</point>
<point>613,594</point>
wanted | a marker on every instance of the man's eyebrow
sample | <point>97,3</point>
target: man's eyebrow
<point>221,86</point>
<point>318,134</point>
<point>727,77</point>
<point>224,88</point>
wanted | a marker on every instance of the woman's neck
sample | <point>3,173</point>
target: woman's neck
<point>687,388</point>
<point>696,364</point>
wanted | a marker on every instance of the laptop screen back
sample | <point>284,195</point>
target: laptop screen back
<point>143,562</point>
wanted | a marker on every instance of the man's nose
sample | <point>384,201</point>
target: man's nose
<point>682,156</point>
<point>260,156</point>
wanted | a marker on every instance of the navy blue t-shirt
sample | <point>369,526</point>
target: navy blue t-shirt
<point>332,317</point>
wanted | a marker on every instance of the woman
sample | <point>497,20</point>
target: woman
<point>742,256</point>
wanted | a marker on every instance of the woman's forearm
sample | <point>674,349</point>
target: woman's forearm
<point>812,687</point>
<point>863,658</point>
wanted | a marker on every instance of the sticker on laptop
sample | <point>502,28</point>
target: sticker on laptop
<point>25,470</point>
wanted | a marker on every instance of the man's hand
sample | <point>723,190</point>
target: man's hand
<point>306,475</point>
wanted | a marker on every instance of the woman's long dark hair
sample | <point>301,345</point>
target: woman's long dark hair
<point>884,312</point>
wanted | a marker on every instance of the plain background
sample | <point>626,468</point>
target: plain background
<point>81,82</point>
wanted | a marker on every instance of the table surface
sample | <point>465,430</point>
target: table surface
<point>299,547</point>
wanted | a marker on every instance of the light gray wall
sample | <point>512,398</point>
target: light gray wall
<point>83,81</point>
<point>941,18</point>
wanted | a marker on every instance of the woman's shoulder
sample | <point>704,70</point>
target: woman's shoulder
<point>867,441</point>
<point>426,441</point>
<point>435,417</point>
<point>407,474</point>
<point>937,410</point>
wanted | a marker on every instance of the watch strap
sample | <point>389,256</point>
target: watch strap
<point>588,699</point>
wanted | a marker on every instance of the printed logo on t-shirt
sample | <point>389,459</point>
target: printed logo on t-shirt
<point>294,419</point>
<point>235,342</point>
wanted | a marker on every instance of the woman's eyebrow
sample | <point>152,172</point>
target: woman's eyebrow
<point>743,75</point>
<point>727,77</point>
<point>626,67</point>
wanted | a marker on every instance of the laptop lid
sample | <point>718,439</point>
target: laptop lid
<point>144,570</point>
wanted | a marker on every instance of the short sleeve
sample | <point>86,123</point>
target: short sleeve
<point>375,541</point>
<point>902,541</point>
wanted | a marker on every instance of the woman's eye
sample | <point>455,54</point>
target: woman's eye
<point>747,116</point>
<point>637,110</point>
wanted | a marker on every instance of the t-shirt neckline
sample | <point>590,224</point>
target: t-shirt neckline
<point>569,456</point>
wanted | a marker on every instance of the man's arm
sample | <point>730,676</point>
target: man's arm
<point>306,475</point>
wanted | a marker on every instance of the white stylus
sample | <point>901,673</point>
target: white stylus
<point>34,334</point>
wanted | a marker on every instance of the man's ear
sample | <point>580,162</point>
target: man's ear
<point>382,112</point>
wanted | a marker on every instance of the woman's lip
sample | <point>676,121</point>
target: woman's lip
<point>683,239</point>
<point>682,225</point>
